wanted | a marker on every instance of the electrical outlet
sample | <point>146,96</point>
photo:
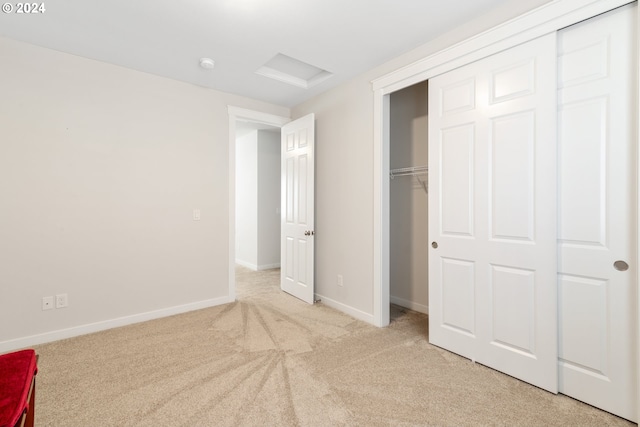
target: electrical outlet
<point>62,301</point>
<point>340,281</point>
<point>47,303</point>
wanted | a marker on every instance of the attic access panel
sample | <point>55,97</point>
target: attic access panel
<point>293,71</point>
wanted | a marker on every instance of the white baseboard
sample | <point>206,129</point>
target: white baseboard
<point>353,312</point>
<point>75,331</point>
<point>247,265</point>
<point>411,305</point>
<point>257,267</point>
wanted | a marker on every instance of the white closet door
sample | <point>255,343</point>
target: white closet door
<point>597,222</point>
<point>492,212</point>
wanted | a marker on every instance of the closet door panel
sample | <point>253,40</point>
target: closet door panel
<point>458,177</point>
<point>583,132</point>
<point>458,97</point>
<point>492,206</point>
<point>513,307</point>
<point>513,81</point>
<point>458,299</point>
<point>597,238</point>
<point>512,171</point>
<point>588,327</point>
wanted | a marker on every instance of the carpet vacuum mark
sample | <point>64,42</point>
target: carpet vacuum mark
<point>269,359</point>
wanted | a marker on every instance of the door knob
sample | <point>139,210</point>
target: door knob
<point>621,266</point>
<point>434,245</point>
<point>306,233</point>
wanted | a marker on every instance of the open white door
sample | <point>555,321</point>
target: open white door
<point>492,212</point>
<point>597,222</point>
<point>297,198</point>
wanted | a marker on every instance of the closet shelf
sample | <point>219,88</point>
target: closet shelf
<point>412,171</point>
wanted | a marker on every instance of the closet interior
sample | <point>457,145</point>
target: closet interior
<point>409,186</point>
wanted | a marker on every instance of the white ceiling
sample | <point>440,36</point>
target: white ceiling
<point>168,38</point>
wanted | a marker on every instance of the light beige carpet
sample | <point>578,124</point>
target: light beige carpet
<point>271,360</point>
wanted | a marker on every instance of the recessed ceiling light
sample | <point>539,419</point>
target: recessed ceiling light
<point>207,63</point>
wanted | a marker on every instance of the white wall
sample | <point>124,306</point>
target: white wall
<point>258,199</point>
<point>268,199</point>
<point>408,281</point>
<point>100,170</point>
<point>247,200</point>
<point>344,171</point>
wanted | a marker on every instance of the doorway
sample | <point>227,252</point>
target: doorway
<point>257,195</point>
<point>237,119</point>
<point>408,237</point>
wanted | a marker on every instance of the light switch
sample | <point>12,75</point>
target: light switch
<point>196,214</point>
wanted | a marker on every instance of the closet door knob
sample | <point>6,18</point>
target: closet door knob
<point>434,245</point>
<point>621,266</point>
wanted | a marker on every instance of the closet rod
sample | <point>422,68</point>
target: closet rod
<point>411,171</point>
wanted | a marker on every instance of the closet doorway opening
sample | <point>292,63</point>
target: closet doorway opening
<point>408,198</point>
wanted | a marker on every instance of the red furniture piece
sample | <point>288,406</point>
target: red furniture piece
<point>18,388</point>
